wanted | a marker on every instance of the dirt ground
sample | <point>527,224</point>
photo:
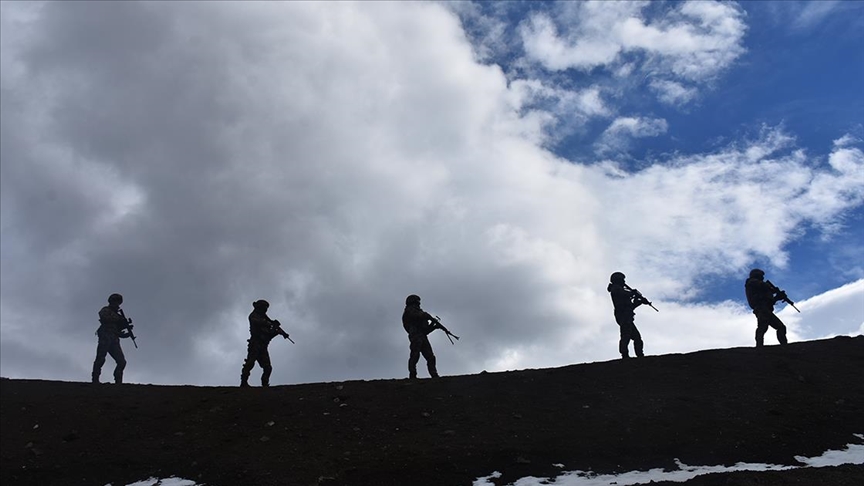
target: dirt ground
<point>715,407</point>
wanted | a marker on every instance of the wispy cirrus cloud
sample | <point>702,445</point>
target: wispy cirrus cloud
<point>809,14</point>
<point>617,137</point>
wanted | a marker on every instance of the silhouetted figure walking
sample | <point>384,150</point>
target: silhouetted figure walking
<point>262,330</point>
<point>625,301</point>
<point>113,325</point>
<point>418,324</point>
<point>761,296</point>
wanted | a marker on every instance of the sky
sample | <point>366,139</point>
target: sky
<point>499,159</point>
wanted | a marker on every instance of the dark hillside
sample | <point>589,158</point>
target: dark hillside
<point>705,408</point>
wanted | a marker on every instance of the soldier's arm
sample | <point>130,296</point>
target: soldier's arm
<point>780,296</point>
<point>765,293</point>
<point>108,315</point>
<point>431,322</point>
<point>621,299</point>
<point>277,329</point>
<point>261,324</point>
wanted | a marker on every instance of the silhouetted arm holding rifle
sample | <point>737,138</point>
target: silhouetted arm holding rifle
<point>278,331</point>
<point>638,297</point>
<point>126,330</point>
<point>780,295</point>
<point>436,324</point>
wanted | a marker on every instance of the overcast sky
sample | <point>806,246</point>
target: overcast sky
<point>498,159</point>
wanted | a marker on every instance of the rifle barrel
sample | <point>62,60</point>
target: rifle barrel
<point>777,290</point>
<point>446,331</point>
<point>639,294</point>
<point>128,328</point>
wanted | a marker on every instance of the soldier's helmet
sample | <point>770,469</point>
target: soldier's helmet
<point>617,277</point>
<point>412,300</point>
<point>261,305</point>
<point>757,274</point>
<point>115,298</point>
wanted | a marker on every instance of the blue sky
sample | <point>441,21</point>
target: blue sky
<point>500,159</point>
<point>801,69</point>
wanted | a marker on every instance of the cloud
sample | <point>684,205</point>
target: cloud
<point>694,41</point>
<point>334,158</point>
<point>616,137</point>
<point>807,17</point>
<point>620,48</point>
<point>836,312</point>
<point>813,13</point>
<point>743,202</point>
<point>846,140</point>
<point>673,93</point>
<point>546,108</point>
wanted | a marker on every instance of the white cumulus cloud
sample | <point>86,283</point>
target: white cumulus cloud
<point>695,41</point>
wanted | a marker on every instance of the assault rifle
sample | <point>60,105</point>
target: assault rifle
<point>128,328</point>
<point>640,297</point>
<point>781,294</point>
<point>436,321</point>
<point>277,327</point>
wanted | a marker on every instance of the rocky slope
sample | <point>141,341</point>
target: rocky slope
<point>715,407</point>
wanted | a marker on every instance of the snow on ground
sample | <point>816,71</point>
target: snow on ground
<point>852,454</point>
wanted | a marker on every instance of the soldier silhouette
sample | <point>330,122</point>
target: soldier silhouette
<point>113,325</point>
<point>262,330</point>
<point>761,296</point>
<point>418,324</point>
<point>626,300</point>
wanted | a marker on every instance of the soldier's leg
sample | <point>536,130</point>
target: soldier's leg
<point>777,324</point>
<point>101,352</point>
<point>413,357</point>
<point>625,340</point>
<point>116,352</point>
<point>264,362</point>
<point>637,341</point>
<point>429,356</point>
<point>761,328</point>
<point>248,363</point>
